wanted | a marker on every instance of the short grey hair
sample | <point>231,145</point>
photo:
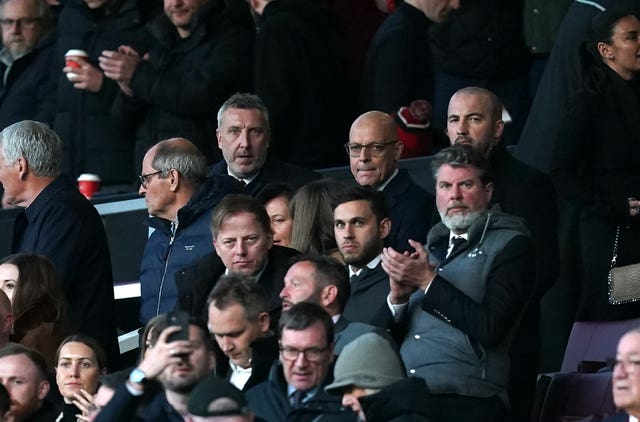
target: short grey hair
<point>43,11</point>
<point>245,101</point>
<point>37,143</point>
<point>182,155</point>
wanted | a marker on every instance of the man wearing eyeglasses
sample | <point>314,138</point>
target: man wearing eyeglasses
<point>374,151</point>
<point>179,201</point>
<point>294,390</point>
<point>25,60</point>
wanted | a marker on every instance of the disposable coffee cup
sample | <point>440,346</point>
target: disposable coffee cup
<point>89,184</point>
<point>71,58</point>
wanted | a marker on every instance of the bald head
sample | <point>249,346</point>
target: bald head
<point>475,117</point>
<point>375,149</point>
<point>376,122</point>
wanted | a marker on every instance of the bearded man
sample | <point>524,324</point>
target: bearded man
<point>467,288</point>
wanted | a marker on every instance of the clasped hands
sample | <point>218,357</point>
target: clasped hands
<point>407,271</point>
<point>117,65</point>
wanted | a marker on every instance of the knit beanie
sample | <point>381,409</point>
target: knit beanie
<point>369,361</point>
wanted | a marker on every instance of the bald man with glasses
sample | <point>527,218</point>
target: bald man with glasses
<point>374,151</point>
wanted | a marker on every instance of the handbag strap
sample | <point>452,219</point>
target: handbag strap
<point>614,258</point>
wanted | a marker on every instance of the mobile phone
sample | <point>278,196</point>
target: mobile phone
<point>181,319</point>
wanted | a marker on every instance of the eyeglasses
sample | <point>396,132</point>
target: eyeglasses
<point>629,366</point>
<point>144,178</point>
<point>26,23</point>
<point>312,354</point>
<point>376,149</point>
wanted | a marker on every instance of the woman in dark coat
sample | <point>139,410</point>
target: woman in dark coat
<point>596,164</point>
<point>38,303</point>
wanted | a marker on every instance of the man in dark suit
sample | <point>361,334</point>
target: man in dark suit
<point>61,224</point>
<point>466,288</point>
<point>475,118</point>
<point>324,281</point>
<point>243,243</point>
<point>25,61</point>
<point>361,225</point>
<point>374,151</point>
<point>244,136</point>
<point>239,321</point>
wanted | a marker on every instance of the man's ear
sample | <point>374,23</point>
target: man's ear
<point>43,389</point>
<point>488,191</point>
<point>385,227</point>
<point>398,147</point>
<point>328,295</point>
<point>264,320</point>
<point>175,179</point>
<point>23,167</point>
<point>499,129</point>
<point>219,137</point>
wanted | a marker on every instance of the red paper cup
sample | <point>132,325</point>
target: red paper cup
<point>72,56</point>
<point>89,184</point>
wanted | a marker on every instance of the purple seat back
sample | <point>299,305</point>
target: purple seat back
<point>574,396</point>
<point>594,341</point>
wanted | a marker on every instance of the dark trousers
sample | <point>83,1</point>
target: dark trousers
<point>456,408</point>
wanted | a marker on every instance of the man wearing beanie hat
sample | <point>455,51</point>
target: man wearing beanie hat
<point>376,387</point>
<point>216,400</point>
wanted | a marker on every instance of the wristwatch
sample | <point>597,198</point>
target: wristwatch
<point>137,376</point>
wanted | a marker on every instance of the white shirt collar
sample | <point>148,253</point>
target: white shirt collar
<point>386,182</point>
<point>246,180</point>
<point>371,265</point>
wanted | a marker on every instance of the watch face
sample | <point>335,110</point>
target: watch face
<point>137,376</point>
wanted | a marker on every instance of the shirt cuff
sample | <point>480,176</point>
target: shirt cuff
<point>133,391</point>
<point>397,310</point>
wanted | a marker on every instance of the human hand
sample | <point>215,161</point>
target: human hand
<point>86,77</point>
<point>120,65</point>
<point>410,269</point>
<point>84,401</point>
<point>634,207</point>
<point>163,353</point>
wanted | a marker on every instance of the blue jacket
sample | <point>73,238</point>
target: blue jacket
<point>172,247</point>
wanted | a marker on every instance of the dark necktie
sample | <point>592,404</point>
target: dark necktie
<point>296,398</point>
<point>361,275</point>
<point>457,243</point>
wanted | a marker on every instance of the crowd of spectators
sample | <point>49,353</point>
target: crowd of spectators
<point>269,293</point>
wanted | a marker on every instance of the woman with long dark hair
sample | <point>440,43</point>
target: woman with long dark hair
<point>596,165</point>
<point>38,303</point>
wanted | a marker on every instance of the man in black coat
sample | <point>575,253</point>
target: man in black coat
<point>361,224</point>
<point>243,242</point>
<point>300,77</point>
<point>204,55</point>
<point>61,224</point>
<point>399,66</point>
<point>244,136</point>
<point>26,81</point>
<point>475,118</point>
<point>238,319</point>
<point>324,281</point>
<point>374,151</point>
